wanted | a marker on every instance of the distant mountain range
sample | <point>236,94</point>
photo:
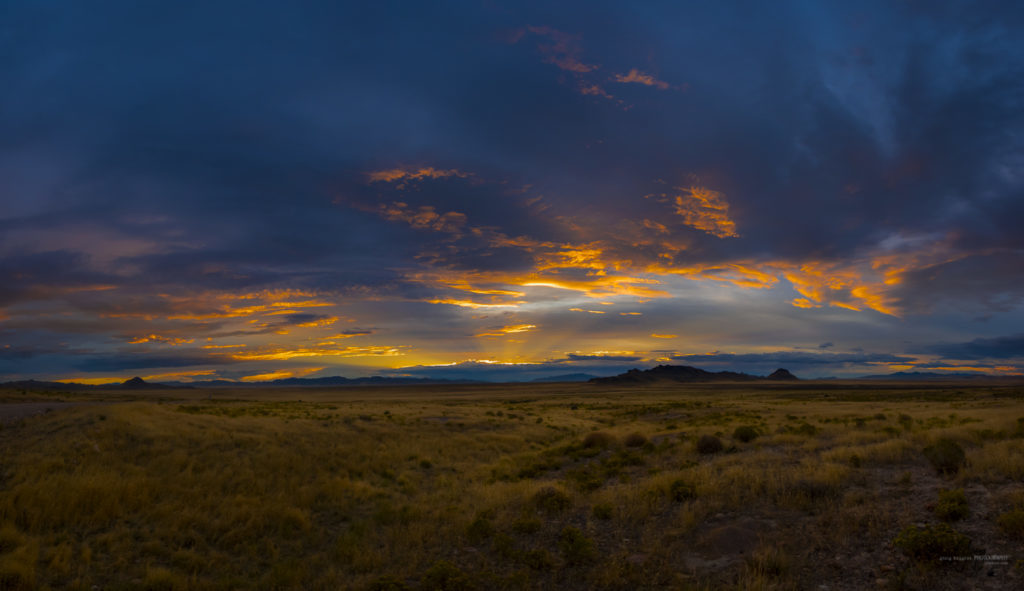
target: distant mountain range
<point>569,377</point>
<point>931,375</point>
<point>135,383</point>
<point>138,383</point>
<point>661,373</point>
<point>685,373</point>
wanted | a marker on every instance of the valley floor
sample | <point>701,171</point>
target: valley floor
<point>829,486</point>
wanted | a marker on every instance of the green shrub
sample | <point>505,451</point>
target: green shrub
<point>551,500</point>
<point>1012,523</point>
<point>946,456</point>
<point>575,547</point>
<point>804,429</point>
<point>855,461</point>
<point>527,525</point>
<point>538,559</point>
<point>680,491</point>
<point>587,479</point>
<point>598,439</point>
<point>480,528</point>
<point>745,433</point>
<point>932,543</point>
<point>635,440</point>
<point>445,576</point>
<point>709,444</point>
<point>952,505</point>
<point>603,511</point>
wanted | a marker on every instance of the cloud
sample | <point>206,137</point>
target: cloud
<point>637,77</point>
<point>428,172</point>
<point>706,210</point>
<point>561,49</point>
<point>795,357</point>
<point>508,329</point>
<point>1005,347</point>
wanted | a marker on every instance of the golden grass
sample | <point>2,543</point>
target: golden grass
<point>328,489</point>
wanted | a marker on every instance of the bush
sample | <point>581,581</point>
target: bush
<point>932,543</point>
<point>551,500</point>
<point>527,525</point>
<point>445,576</point>
<point>598,439</point>
<point>603,511</point>
<point>680,491</point>
<point>480,529</point>
<point>806,429</point>
<point>576,548</point>
<point>952,505</point>
<point>538,559</point>
<point>635,440</point>
<point>946,456</point>
<point>1012,523</point>
<point>745,433</point>
<point>709,444</point>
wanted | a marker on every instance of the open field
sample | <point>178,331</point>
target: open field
<point>720,486</point>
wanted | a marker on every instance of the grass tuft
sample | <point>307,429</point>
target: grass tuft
<point>952,505</point>
<point>946,456</point>
<point>709,444</point>
<point>932,544</point>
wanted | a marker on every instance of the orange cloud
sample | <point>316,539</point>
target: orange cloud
<point>281,374</point>
<point>562,50</point>
<point>665,336</point>
<point>706,210</point>
<point>154,338</point>
<point>507,330</point>
<point>474,305</point>
<point>429,172</point>
<point>638,77</point>
<point>595,90</point>
<point>272,354</point>
<point>425,217</point>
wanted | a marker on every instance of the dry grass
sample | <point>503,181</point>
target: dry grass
<point>488,487</point>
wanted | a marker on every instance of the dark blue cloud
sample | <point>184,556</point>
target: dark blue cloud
<point>194,149</point>
<point>1007,347</point>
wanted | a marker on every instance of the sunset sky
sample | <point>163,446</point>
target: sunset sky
<point>498,190</point>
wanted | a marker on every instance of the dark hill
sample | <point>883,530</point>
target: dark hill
<point>138,383</point>
<point>685,373</point>
<point>781,374</point>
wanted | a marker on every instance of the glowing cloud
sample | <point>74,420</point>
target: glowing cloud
<point>706,210</point>
<point>154,338</point>
<point>281,374</point>
<point>638,77</point>
<point>284,353</point>
<point>507,330</point>
<point>424,217</point>
<point>562,50</point>
<point>398,174</point>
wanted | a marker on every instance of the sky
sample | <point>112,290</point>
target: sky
<point>505,191</point>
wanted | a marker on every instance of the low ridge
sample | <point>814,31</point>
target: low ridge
<point>686,373</point>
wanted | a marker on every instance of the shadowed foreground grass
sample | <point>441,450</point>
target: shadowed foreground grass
<point>517,488</point>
